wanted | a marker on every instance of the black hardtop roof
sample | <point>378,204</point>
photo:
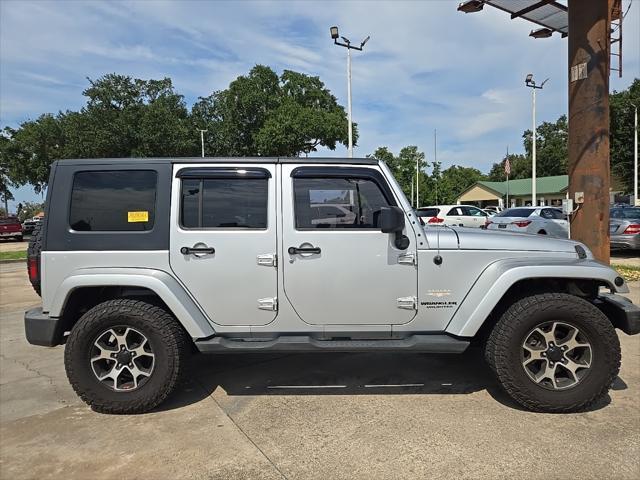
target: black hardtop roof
<point>214,160</point>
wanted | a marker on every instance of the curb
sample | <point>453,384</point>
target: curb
<point>8,262</point>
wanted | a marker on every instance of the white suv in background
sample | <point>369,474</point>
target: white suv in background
<point>455,215</point>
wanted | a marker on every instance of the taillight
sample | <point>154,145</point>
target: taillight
<point>435,220</point>
<point>33,266</point>
<point>634,228</point>
<point>521,223</point>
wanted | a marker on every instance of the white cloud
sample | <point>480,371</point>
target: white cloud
<point>426,66</point>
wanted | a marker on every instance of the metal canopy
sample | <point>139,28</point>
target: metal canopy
<point>546,13</point>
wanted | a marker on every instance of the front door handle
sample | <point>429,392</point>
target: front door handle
<point>297,250</point>
<point>197,250</point>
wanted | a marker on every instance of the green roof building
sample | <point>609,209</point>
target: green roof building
<point>549,191</point>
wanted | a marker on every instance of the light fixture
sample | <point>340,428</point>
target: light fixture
<point>334,33</point>
<point>529,80</point>
<point>543,32</point>
<point>365,41</point>
<point>471,6</point>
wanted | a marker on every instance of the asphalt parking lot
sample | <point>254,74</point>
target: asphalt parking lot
<point>312,416</point>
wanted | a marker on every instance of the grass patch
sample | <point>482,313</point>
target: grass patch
<point>13,255</point>
<point>629,273</point>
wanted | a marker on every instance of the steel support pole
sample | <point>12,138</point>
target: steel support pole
<point>589,46</point>
<point>533,149</point>
<point>635,157</point>
<point>349,103</point>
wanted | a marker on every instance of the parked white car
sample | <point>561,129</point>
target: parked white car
<point>541,220</point>
<point>455,215</point>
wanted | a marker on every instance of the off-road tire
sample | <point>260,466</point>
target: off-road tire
<point>502,352</point>
<point>169,341</point>
<point>34,249</point>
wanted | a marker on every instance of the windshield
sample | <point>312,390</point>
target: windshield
<point>8,221</point>
<point>516,212</point>
<point>627,213</point>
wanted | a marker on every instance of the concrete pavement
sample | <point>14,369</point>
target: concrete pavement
<point>312,416</point>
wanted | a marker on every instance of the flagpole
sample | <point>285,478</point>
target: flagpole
<point>508,172</point>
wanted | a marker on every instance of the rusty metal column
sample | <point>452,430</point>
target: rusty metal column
<point>589,45</point>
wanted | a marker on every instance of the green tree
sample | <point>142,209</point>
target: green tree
<point>403,168</point>
<point>551,147</point>
<point>29,210</point>
<point>621,133</point>
<point>263,114</point>
<point>455,180</point>
<point>5,182</point>
<point>520,168</point>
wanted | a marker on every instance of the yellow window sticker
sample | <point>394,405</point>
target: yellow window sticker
<point>142,216</point>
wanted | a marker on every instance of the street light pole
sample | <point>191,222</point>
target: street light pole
<point>529,82</point>
<point>202,140</point>
<point>534,176</point>
<point>349,122</point>
<point>635,156</point>
<point>347,44</point>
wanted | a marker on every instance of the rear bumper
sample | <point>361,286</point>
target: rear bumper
<point>41,329</point>
<point>625,242</point>
<point>623,314</point>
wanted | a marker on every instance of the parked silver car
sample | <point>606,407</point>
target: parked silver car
<point>541,220</point>
<point>624,227</point>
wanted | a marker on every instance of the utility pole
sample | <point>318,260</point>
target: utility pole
<point>529,82</point>
<point>636,200</point>
<point>588,65</point>
<point>435,159</point>
<point>202,132</point>
<point>347,44</point>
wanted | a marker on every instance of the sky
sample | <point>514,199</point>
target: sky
<point>426,66</point>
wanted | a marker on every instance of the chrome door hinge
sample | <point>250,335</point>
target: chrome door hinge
<point>407,303</point>
<point>270,303</point>
<point>268,260</point>
<point>407,259</point>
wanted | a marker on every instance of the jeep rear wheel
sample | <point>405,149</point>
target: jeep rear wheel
<point>554,352</point>
<point>125,356</point>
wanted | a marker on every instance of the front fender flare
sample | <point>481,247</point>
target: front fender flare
<point>164,285</point>
<point>498,277</point>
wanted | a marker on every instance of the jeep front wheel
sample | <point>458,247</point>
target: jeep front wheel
<point>125,356</point>
<point>554,352</point>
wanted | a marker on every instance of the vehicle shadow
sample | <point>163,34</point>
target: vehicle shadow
<point>341,374</point>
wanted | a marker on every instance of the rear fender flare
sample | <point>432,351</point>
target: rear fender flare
<point>182,306</point>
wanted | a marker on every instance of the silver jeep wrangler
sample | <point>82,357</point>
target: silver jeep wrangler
<point>141,262</point>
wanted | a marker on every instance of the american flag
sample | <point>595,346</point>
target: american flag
<point>507,166</point>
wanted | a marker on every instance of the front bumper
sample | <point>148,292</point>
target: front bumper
<point>623,314</point>
<point>41,329</point>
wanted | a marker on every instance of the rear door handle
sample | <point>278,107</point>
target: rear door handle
<point>296,250</point>
<point>197,250</point>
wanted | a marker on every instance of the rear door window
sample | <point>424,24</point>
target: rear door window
<point>113,201</point>
<point>224,203</point>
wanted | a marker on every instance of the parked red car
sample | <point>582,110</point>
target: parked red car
<point>10,227</point>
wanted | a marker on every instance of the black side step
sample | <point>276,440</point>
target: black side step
<point>414,343</point>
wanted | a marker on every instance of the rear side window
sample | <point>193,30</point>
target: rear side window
<point>113,201</point>
<point>224,203</point>
<point>337,203</point>
<point>516,212</point>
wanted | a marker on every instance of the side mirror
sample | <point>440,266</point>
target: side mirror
<point>392,221</point>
